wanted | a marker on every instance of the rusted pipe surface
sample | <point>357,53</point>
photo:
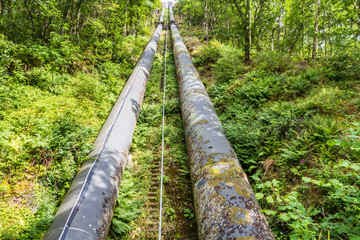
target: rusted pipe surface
<point>225,205</point>
<point>87,209</point>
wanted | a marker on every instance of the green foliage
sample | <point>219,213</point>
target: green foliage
<point>294,219</point>
<point>170,212</point>
<point>274,28</point>
<point>344,66</point>
<point>208,54</point>
<point>53,101</point>
<point>188,213</point>
<point>297,85</point>
<point>273,61</point>
<point>230,66</point>
<point>225,61</point>
<point>42,220</point>
<point>128,206</point>
<point>22,223</point>
<point>98,24</point>
<point>255,91</point>
<point>336,213</point>
<point>295,123</point>
<point>350,144</point>
<point>88,87</point>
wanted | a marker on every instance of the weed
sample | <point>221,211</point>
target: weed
<point>188,213</point>
<point>273,61</point>
<point>229,66</point>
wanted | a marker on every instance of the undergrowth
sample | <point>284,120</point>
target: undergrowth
<point>53,102</point>
<point>295,129</point>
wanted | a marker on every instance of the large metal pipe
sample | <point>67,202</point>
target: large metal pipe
<point>87,209</point>
<point>171,15</point>
<point>162,15</point>
<point>225,205</point>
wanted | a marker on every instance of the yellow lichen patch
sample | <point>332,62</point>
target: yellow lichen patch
<point>241,188</point>
<point>230,177</point>
<point>195,91</point>
<point>202,122</point>
<point>210,158</point>
<point>246,238</point>
<point>237,217</point>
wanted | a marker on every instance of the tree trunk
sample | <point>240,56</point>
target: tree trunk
<point>279,26</point>
<point>66,10</point>
<point>325,39</point>
<point>206,22</point>
<point>245,21</point>
<point>125,14</point>
<point>247,32</point>
<point>316,31</point>
<point>2,7</point>
<point>330,42</point>
<point>272,40</point>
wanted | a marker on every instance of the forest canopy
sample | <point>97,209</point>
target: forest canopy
<point>307,29</point>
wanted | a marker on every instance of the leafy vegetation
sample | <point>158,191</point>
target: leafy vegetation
<point>283,76</point>
<point>295,129</point>
<point>59,77</point>
<point>307,29</point>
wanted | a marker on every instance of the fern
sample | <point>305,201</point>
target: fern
<point>127,209</point>
<point>119,226</point>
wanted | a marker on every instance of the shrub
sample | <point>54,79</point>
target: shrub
<point>344,66</point>
<point>208,53</point>
<point>89,87</point>
<point>260,87</point>
<point>297,85</point>
<point>230,66</point>
<point>312,75</point>
<point>273,61</point>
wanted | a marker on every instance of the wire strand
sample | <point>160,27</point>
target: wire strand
<point>163,135</point>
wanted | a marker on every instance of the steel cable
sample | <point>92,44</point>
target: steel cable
<point>163,135</point>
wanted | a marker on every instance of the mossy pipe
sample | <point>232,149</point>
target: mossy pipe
<point>225,205</point>
<point>87,209</point>
<point>171,15</point>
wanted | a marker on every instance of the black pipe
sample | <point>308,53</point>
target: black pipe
<point>225,205</point>
<point>87,209</point>
<point>162,15</point>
